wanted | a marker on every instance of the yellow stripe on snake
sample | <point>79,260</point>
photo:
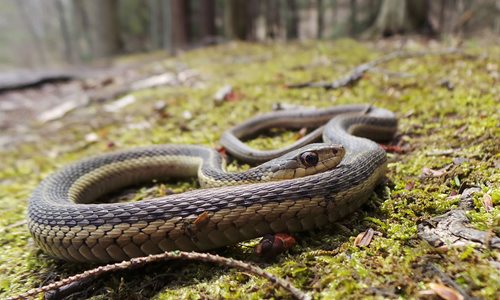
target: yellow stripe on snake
<point>300,187</point>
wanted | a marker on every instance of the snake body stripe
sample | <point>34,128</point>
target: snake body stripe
<point>202,219</point>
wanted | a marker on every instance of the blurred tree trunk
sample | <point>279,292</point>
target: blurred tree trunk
<point>335,8</point>
<point>321,18</point>
<point>236,19</point>
<point>180,23</point>
<point>83,44</point>
<point>256,13</point>
<point>63,26</point>
<point>402,16</point>
<point>208,32</point>
<point>272,11</point>
<point>371,16</point>
<point>37,39</point>
<point>353,18</point>
<point>442,14</point>
<point>156,23</point>
<point>104,27</point>
<point>292,20</point>
<point>166,12</point>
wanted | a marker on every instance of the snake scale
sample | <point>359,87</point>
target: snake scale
<point>67,225</point>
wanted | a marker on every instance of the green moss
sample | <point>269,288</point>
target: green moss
<point>432,117</point>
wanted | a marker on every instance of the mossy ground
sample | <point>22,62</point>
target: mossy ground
<point>443,102</point>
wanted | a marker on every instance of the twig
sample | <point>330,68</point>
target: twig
<point>174,255</point>
<point>357,73</point>
<point>348,80</point>
<point>447,280</point>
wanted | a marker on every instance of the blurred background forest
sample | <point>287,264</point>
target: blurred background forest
<point>52,33</point>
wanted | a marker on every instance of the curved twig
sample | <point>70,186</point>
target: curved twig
<point>174,255</point>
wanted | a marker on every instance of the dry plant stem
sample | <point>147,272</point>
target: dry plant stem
<point>447,280</point>
<point>174,255</point>
<point>357,73</point>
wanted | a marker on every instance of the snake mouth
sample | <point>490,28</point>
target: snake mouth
<point>331,158</point>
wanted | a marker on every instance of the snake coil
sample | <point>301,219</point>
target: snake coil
<point>66,225</point>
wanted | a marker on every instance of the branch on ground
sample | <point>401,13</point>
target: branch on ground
<point>174,255</point>
<point>357,73</point>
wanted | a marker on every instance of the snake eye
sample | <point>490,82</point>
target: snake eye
<point>309,158</point>
<point>334,151</point>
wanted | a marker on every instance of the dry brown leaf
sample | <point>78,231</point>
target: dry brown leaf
<point>364,238</point>
<point>445,292</point>
<point>428,172</point>
<point>223,93</point>
<point>393,149</point>
<point>409,185</point>
<point>487,202</point>
<point>461,130</point>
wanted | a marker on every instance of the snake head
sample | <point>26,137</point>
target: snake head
<point>308,160</point>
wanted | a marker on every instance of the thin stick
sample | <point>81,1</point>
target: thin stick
<point>174,255</point>
<point>357,73</point>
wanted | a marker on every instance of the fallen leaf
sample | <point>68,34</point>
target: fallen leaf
<point>234,96</point>
<point>153,81</point>
<point>160,108</point>
<point>393,149</point>
<point>426,293</point>
<point>223,93</point>
<point>107,81</point>
<point>222,151</point>
<point>453,195</point>
<point>432,173</point>
<point>409,114</point>
<point>461,130</point>
<point>91,137</point>
<point>447,84</point>
<point>445,292</point>
<point>202,219</point>
<point>487,203</point>
<point>287,106</point>
<point>428,172</point>
<point>440,152</point>
<point>364,238</point>
<point>187,75</point>
<point>302,132</point>
<point>120,103</point>
<point>409,185</point>
<point>187,115</point>
<point>497,163</point>
<point>459,160</point>
<point>62,109</point>
<point>271,245</point>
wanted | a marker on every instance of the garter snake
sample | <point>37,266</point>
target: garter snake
<point>67,225</point>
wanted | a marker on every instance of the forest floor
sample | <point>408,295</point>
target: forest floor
<point>447,150</point>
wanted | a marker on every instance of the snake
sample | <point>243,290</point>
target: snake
<point>297,188</point>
